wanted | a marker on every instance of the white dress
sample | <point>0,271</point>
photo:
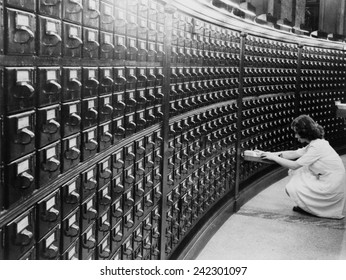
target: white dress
<point>319,185</point>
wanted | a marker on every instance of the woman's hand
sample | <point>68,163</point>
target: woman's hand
<point>258,152</point>
<point>268,155</point>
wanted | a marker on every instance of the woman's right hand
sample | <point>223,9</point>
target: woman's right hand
<point>259,152</point>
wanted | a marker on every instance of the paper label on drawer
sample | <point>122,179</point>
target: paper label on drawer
<point>92,4</point>
<point>51,27</point>
<point>121,15</point>
<point>118,156</point>
<point>91,36</point>
<point>22,166</point>
<point>51,152</point>
<point>120,74</point>
<point>142,22</point>
<point>105,192</point>
<point>22,20</point>
<point>151,46</point>
<point>138,231</point>
<point>108,10</point>
<point>72,220</point>
<point>160,47</point>
<point>105,165</point>
<point>72,187</point>
<point>121,41</point>
<point>72,143</point>
<point>73,108</point>
<point>106,128</point>
<point>91,104</point>
<point>118,228</point>
<point>107,72</point>
<point>119,123</point>
<point>90,174</point>
<point>91,135</point>
<point>117,181</point>
<point>73,31</point>
<point>22,224</point>
<point>104,244</point>
<point>152,25</point>
<point>108,40</point>
<point>71,253</point>
<point>50,203</point>
<point>73,74</point>
<point>89,204</point>
<point>51,75</point>
<point>23,76</point>
<point>132,19</point>
<point>51,114</point>
<point>89,234</point>
<point>50,239</point>
<point>91,73</point>
<point>23,122</point>
<point>104,218</point>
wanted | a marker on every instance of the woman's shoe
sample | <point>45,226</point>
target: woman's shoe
<point>301,211</point>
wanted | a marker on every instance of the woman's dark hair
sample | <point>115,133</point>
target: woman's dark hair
<point>307,128</point>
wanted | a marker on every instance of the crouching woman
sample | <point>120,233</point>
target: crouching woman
<point>317,175</point>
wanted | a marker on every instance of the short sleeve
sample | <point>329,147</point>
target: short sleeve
<point>302,151</point>
<point>311,155</point>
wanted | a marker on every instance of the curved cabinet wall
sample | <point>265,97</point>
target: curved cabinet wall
<point>123,122</point>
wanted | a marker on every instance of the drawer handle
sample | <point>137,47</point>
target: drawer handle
<point>24,137</point>
<point>52,165</point>
<point>28,31</point>
<point>52,127</point>
<point>77,7</point>
<point>54,85</point>
<point>23,94</point>
<point>51,2</point>
<point>57,37</point>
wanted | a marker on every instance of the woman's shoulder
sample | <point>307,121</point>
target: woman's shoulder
<point>317,143</point>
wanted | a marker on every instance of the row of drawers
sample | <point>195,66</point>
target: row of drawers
<point>27,131</point>
<point>192,198</point>
<point>28,34</point>
<point>90,12</point>
<point>98,234</point>
<point>45,165</point>
<point>29,87</point>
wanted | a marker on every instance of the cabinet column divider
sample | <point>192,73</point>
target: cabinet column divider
<point>169,11</point>
<point>239,116</point>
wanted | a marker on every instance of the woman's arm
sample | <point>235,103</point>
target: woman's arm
<point>288,154</point>
<point>291,154</point>
<point>287,163</point>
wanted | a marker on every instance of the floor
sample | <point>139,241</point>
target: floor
<point>266,228</point>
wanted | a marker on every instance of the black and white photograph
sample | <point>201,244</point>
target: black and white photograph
<point>207,136</point>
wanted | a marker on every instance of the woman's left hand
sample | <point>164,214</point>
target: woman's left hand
<point>268,155</point>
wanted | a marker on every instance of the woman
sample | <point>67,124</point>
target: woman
<point>317,175</point>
